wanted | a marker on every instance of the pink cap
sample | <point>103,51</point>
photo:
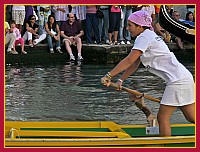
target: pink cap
<point>141,18</point>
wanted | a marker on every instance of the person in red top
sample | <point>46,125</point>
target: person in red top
<point>71,31</point>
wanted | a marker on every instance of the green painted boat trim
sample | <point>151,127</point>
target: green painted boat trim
<point>93,134</point>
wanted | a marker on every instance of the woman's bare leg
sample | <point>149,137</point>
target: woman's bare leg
<point>164,115</point>
<point>110,37</point>
<point>189,112</point>
<point>115,36</point>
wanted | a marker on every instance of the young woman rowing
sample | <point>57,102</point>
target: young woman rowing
<point>154,54</point>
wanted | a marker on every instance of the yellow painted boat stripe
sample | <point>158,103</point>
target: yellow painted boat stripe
<point>99,142</point>
<point>85,134</point>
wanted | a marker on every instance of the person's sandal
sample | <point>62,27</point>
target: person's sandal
<point>115,43</point>
<point>24,52</point>
<point>59,50</point>
<point>13,52</point>
<point>31,44</point>
<point>110,43</point>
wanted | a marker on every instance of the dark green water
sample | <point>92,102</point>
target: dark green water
<point>74,93</point>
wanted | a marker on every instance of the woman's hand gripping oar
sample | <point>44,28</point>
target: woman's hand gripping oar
<point>106,80</point>
<point>134,92</point>
<point>136,97</point>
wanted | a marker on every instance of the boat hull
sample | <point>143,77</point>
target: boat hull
<point>93,134</point>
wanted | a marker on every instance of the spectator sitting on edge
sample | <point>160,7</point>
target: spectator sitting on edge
<point>19,39</point>
<point>10,38</point>
<point>71,31</point>
<point>53,34</point>
<point>32,32</point>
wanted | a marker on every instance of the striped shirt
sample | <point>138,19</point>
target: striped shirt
<point>59,15</point>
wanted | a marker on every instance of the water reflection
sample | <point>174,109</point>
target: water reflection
<point>73,93</point>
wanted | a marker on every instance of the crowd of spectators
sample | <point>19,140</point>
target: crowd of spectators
<point>49,23</point>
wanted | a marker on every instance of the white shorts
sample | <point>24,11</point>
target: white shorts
<point>179,93</point>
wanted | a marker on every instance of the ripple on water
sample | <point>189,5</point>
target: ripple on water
<point>74,93</point>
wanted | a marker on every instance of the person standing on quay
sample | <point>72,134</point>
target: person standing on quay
<point>18,15</point>
<point>114,23</point>
<point>60,12</point>
<point>154,54</point>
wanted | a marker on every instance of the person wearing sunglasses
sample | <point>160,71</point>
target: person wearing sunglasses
<point>31,33</point>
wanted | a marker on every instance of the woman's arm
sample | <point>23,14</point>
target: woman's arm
<point>130,70</point>
<point>47,30</point>
<point>126,62</point>
<point>61,9</point>
<point>35,31</point>
<point>29,29</point>
<point>57,37</point>
<point>58,29</point>
<point>130,63</point>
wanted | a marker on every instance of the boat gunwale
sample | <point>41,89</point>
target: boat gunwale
<point>151,141</point>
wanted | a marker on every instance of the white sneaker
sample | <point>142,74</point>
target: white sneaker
<point>72,58</point>
<point>128,42</point>
<point>51,51</point>
<point>35,42</point>
<point>80,58</point>
<point>107,42</point>
<point>8,50</point>
<point>122,42</point>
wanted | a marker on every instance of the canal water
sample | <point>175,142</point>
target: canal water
<point>73,92</point>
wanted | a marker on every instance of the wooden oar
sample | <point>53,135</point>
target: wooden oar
<point>134,92</point>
